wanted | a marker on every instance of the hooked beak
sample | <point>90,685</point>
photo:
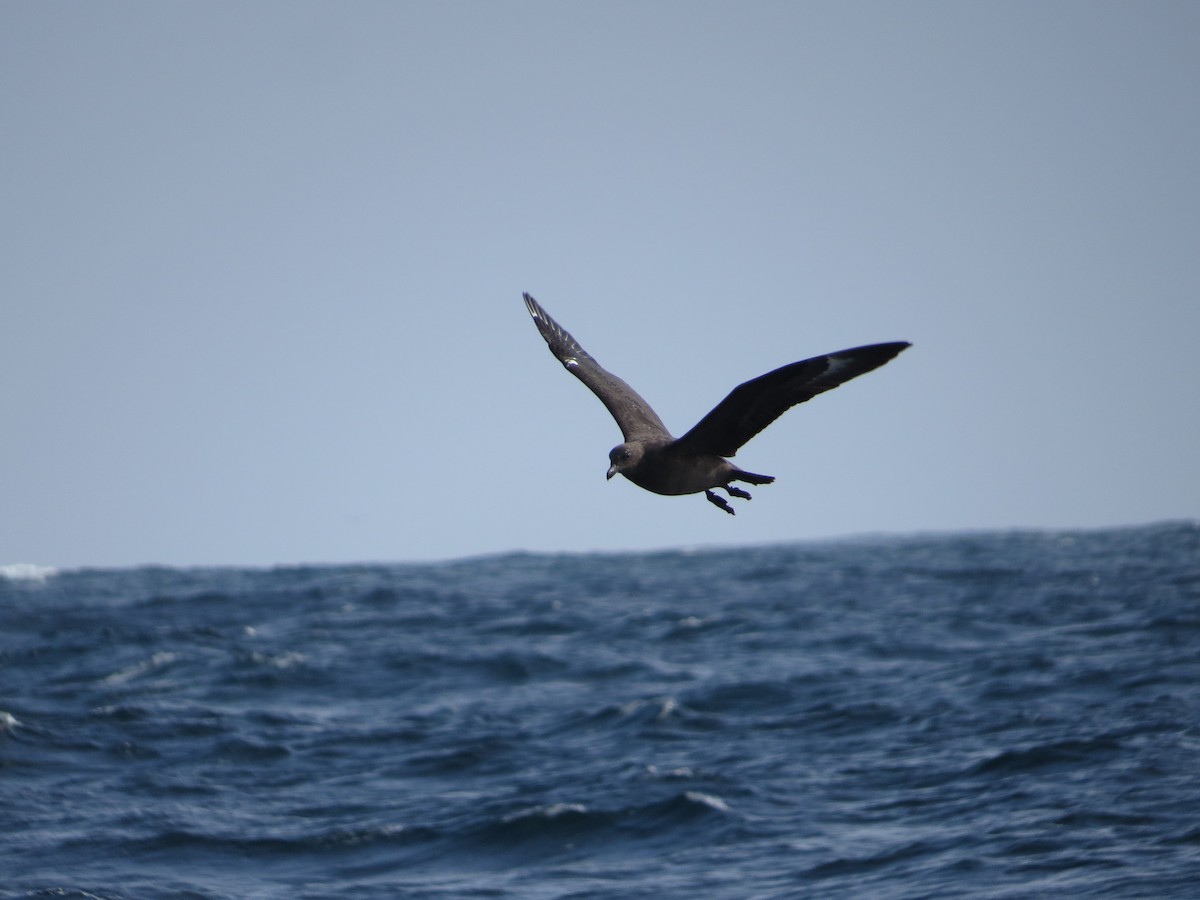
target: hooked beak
<point>612,470</point>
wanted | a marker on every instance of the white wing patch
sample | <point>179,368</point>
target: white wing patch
<point>837,363</point>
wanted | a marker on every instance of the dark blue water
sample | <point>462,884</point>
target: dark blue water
<point>996,715</point>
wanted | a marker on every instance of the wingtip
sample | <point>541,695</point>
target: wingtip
<point>892,348</point>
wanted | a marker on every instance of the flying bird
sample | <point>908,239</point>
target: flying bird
<point>652,459</point>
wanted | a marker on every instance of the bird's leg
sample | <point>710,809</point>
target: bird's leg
<point>736,492</point>
<point>719,501</point>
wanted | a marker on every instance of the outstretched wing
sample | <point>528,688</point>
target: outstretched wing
<point>633,414</point>
<point>752,406</point>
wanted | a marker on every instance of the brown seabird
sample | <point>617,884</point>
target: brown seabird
<point>652,459</point>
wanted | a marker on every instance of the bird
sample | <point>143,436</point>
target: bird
<point>654,460</point>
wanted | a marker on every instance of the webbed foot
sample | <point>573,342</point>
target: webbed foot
<point>736,492</point>
<point>719,501</point>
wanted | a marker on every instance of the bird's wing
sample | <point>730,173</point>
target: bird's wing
<point>633,414</point>
<point>752,406</point>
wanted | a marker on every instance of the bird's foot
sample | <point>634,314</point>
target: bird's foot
<point>719,501</point>
<point>736,492</point>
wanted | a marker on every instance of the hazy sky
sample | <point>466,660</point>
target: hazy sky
<point>260,299</point>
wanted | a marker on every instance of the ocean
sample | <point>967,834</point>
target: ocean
<point>1009,714</point>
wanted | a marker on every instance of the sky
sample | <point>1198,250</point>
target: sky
<point>260,298</point>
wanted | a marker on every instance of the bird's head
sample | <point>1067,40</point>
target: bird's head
<point>623,457</point>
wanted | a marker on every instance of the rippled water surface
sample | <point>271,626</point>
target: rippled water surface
<point>991,715</point>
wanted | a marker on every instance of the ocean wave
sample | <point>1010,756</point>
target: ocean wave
<point>613,726</point>
<point>29,572</point>
<point>1066,753</point>
<point>570,823</point>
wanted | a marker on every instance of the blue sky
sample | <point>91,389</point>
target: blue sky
<point>261,291</point>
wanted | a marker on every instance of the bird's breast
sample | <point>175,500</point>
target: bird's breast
<point>672,474</point>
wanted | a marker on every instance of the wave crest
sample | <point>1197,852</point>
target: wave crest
<point>27,572</point>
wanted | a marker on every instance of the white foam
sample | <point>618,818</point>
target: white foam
<point>709,800</point>
<point>27,572</point>
<point>157,661</point>
<point>553,811</point>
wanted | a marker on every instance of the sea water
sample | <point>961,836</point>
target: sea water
<point>982,715</point>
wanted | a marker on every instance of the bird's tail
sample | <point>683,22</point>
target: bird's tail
<point>751,478</point>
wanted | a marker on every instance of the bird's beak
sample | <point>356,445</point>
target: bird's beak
<point>612,470</point>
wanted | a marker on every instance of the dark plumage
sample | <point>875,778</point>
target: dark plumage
<point>652,459</point>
